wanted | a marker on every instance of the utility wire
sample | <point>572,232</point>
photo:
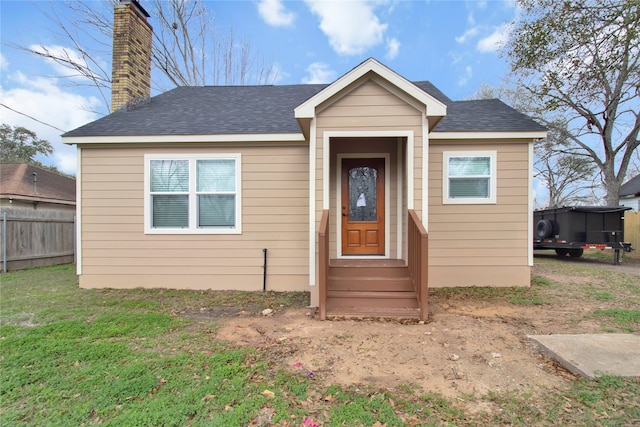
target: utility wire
<point>32,118</point>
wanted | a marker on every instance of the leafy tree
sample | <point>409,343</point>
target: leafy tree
<point>21,145</point>
<point>569,178</point>
<point>581,60</point>
<point>188,49</point>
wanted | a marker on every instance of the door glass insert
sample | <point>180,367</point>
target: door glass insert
<point>362,194</point>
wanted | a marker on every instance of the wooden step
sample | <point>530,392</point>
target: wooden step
<point>342,283</point>
<point>368,271</point>
<point>371,299</point>
<point>374,312</point>
<point>370,288</point>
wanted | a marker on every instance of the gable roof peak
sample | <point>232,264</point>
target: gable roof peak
<point>433,106</point>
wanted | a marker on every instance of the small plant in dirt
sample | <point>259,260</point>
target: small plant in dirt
<point>628,320</point>
<point>516,295</point>
<point>540,281</point>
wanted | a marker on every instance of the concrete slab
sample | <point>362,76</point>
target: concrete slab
<point>592,355</point>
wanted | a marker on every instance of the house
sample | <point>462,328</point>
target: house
<point>362,192</point>
<point>38,207</point>
<point>630,193</point>
<point>25,185</point>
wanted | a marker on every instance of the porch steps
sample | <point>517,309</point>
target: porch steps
<point>370,288</point>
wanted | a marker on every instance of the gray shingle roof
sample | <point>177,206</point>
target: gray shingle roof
<point>208,110</point>
<point>631,188</point>
<point>226,110</point>
<point>485,115</point>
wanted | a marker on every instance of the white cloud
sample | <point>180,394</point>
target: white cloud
<point>464,79</point>
<point>495,40</point>
<point>47,102</point>
<point>3,62</point>
<point>393,48</point>
<point>471,32</point>
<point>351,26</point>
<point>274,13</point>
<point>319,72</point>
<point>67,161</point>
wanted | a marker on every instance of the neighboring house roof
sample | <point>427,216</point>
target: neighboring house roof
<point>17,182</point>
<point>237,110</point>
<point>631,188</point>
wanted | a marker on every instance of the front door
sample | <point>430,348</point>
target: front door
<point>362,207</point>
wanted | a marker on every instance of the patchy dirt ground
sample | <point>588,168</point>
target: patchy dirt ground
<point>467,346</point>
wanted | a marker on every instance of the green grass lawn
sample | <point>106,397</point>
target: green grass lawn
<point>72,357</point>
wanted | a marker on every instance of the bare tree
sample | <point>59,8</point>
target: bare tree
<point>188,48</point>
<point>569,178</point>
<point>581,60</point>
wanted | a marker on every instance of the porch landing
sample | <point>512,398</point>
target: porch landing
<point>370,288</point>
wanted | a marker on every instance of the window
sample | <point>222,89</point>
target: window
<point>192,194</point>
<point>469,177</point>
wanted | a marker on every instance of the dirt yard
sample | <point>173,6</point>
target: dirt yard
<point>467,346</point>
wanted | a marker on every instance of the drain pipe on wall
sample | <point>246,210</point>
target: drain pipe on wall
<point>264,273</point>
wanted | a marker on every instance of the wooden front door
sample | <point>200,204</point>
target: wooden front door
<point>363,207</point>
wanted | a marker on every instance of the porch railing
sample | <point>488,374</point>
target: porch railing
<point>418,261</point>
<point>323,264</point>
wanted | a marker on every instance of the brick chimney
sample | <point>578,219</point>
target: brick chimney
<point>131,63</point>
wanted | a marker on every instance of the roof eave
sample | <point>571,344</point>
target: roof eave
<point>42,199</point>
<point>150,139</point>
<point>477,134</point>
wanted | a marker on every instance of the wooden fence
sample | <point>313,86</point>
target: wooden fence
<point>36,238</point>
<point>632,229</point>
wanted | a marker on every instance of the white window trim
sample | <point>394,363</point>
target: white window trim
<point>493,178</point>
<point>193,229</point>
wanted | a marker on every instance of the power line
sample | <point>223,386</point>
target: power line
<point>32,118</point>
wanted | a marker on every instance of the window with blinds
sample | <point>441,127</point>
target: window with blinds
<point>469,177</point>
<point>194,194</point>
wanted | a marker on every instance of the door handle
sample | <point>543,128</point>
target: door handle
<point>344,214</point>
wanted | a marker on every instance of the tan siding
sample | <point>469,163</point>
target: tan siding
<point>480,275</point>
<point>203,281</point>
<point>104,241</point>
<point>480,245</point>
<point>371,122</point>
<point>253,268</point>
<point>116,252</point>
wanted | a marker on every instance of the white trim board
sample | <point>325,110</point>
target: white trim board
<point>79,211</point>
<point>159,139</point>
<point>312,202</point>
<point>488,135</point>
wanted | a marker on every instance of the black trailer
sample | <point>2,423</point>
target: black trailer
<point>572,229</point>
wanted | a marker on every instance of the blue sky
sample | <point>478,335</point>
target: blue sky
<point>454,44</point>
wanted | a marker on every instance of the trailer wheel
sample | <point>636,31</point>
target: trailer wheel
<point>544,229</point>
<point>576,253</point>
<point>562,252</point>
